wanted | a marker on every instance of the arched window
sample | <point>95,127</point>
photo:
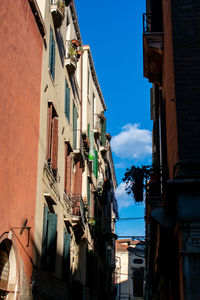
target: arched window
<point>5,247</point>
<point>8,270</point>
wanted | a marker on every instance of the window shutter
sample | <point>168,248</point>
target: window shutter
<point>75,115</point>
<point>53,58</point>
<point>54,147</point>
<point>51,241</point>
<point>69,170</point>
<point>49,119</point>
<point>44,236</point>
<point>66,152</point>
<point>95,164</point>
<point>52,54</point>
<point>88,130</point>
<point>50,48</point>
<point>66,255</point>
<point>103,133</point>
<point>67,102</point>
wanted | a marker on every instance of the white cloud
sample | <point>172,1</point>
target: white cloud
<point>123,199</point>
<point>132,142</point>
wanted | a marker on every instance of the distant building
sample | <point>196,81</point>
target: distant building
<point>129,272</point>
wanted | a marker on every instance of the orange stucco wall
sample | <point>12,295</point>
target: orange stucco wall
<point>20,85</point>
<point>169,89</point>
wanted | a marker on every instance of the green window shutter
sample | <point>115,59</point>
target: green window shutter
<point>50,47</point>
<point>88,130</point>
<point>75,116</point>
<point>53,60</point>
<point>103,133</point>
<point>95,164</point>
<point>66,255</point>
<point>52,54</point>
<point>67,101</point>
<point>51,241</point>
<point>44,236</point>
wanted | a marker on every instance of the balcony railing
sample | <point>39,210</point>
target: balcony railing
<point>147,22</point>
<point>67,203</point>
<point>58,12</point>
<point>52,176</point>
<point>153,48</point>
<point>78,145</point>
<point>78,209</point>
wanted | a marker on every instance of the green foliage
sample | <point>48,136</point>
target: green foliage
<point>72,51</point>
<point>135,181</point>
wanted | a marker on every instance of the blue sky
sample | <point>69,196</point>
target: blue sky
<point>113,29</point>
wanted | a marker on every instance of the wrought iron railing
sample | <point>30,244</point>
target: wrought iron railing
<point>67,203</point>
<point>147,22</point>
<point>97,122</point>
<point>78,208</point>
<point>52,175</point>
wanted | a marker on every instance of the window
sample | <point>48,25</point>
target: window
<point>52,54</point>
<point>75,117</point>
<point>67,101</point>
<point>138,261</point>
<point>66,255</point>
<point>52,138</point>
<point>49,240</point>
<point>138,278</point>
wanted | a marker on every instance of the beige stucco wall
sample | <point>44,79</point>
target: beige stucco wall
<point>54,91</point>
<point>124,272</point>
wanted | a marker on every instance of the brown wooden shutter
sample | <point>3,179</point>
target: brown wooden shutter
<point>49,120</point>
<point>66,153</point>
<point>69,170</point>
<point>54,146</point>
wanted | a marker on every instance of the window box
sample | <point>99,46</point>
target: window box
<point>58,12</point>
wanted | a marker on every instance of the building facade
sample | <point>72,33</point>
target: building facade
<point>130,266</point>
<point>171,59</point>
<point>55,120</point>
<point>21,66</point>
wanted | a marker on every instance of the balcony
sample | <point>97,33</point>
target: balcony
<point>68,207</point>
<point>153,194</point>
<point>78,210</point>
<point>78,147</point>
<point>97,125</point>
<point>58,12</point>
<point>153,46</point>
<point>52,177</point>
<point>73,52</point>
